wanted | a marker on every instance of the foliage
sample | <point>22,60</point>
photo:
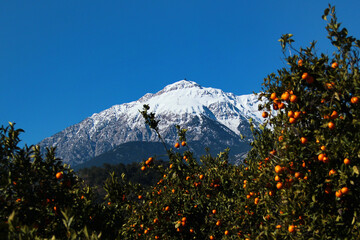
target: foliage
<point>299,181</point>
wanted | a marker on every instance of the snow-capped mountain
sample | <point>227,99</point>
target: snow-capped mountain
<point>210,115</point>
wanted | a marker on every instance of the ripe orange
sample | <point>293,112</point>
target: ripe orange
<point>334,65</point>
<point>285,96</point>
<point>331,125</point>
<point>265,114</point>
<point>291,228</point>
<point>334,115</point>
<point>292,120</point>
<point>278,226</point>
<point>354,100</point>
<point>279,185</point>
<point>338,193</point>
<point>278,169</point>
<point>273,96</point>
<point>344,190</point>
<point>183,143</point>
<point>191,230</point>
<point>321,156</point>
<point>290,114</point>
<point>300,62</point>
<point>59,175</point>
<point>177,145</point>
<point>303,140</point>
<point>143,168</point>
<point>201,176</point>
<point>226,232</point>
<point>212,237</point>
<point>297,175</point>
<point>256,200</point>
<point>214,211</point>
<point>218,223</point>
<point>297,115</point>
<point>323,148</point>
<point>139,197</point>
<point>331,172</point>
<point>277,178</point>
<point>281,138</point>
<point>305,76</point>
<point>346,161</point>
<point>156,220</point>
<point>281,105</point>
<point>293,98</point>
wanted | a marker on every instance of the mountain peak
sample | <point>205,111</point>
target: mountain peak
<point>181,85</point>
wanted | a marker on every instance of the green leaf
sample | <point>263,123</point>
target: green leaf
<point>356,170</point>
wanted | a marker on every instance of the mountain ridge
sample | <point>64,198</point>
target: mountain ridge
<point>183,103</point>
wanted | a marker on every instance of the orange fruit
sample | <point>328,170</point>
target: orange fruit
<point>344,190</point>
<point>297,175</point>
<point>291,228</point>
<point>191,230</point>
<point>305,76</point>
<point>226,232</point>
<point>278,169</point>
<point>201,176</point>
<point>290,114</point>
<point>278,226</point>
<point>292,120</point>
<point>273,96</point>
<point>331,125</point>
<point>300,62</point>
<point>346,161</point>
<point>277,178</point>
<point>303,140</point>
<point>354,100</point>
<point>214,211</point>
<point>177,145</point>
<point>265,114</point>
<point>143,168</point>
<point>334,115</point>
<point>338,193</point>
<point>323,148</point>
<point>281,105</point>
<point>218,223</point>
<point>156,220</point>
<point>293,98</point>
<point>212,237</point>
<point>183,143</point>
<point>279,185</point>
<point>321,156</point>
<point>331,172</point>
<point>167,208</point>
<point>256,201</point>
<point>285,96</point>
<point>281,138</point>
<point>59,175</point>
<point>139,197</point>
<point>297,115</point>
<point>334,65</point>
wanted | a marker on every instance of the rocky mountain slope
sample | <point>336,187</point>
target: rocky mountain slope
<point>213,118</point>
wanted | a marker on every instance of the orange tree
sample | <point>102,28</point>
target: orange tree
<point>192,200</point>
<point>305,161</point>
<point>299,181</point>
<point>36,191</point>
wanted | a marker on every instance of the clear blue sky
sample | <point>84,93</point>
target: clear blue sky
<point>62,61</point>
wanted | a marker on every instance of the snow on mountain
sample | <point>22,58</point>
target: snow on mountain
<point>186,103</point>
